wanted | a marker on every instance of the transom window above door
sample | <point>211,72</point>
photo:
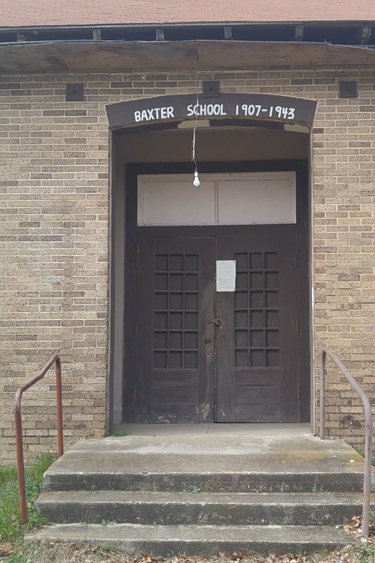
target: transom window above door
<point>251,198</point>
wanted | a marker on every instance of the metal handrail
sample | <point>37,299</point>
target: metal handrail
<point>18,423</point>
<point>368,428</point>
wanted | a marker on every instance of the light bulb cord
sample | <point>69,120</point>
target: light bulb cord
<point>194,145</point>
<point>196,181</point>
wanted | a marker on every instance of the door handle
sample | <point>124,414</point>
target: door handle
<point>216,322</point>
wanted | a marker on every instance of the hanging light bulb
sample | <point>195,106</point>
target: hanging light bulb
<point>196,181</point>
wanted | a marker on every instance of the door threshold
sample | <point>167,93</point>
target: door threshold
<point>238,428</point>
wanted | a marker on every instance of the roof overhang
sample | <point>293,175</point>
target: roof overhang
<point>119,56</point>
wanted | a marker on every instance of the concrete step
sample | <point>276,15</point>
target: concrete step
<point>191,539</point>
<point>167,508</point>
<point>208,464</point>
<point>207,482</point>
<point>174,494</point>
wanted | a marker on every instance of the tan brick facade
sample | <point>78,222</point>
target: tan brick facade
<point>55,236</point>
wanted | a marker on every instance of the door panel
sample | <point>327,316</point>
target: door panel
<point>187,366</point>
<point>180,363</point>
<point>174,357</point>
<point>257,372</point>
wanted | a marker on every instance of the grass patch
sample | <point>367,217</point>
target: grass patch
<point>10,527</point>
<point>361,452</point>
<point>61,552</point>
<point>364,554</point>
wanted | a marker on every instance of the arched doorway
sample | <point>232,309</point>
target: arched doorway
<point>189,351</point>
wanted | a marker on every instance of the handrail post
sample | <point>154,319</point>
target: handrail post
<point>368,468</point>
<point>60,437</point>
<point>322,395</point>
<point>20,458</point>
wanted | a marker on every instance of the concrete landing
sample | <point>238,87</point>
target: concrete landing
<point>294,452</point>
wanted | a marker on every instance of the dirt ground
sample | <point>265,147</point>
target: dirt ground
<point>58,552</point>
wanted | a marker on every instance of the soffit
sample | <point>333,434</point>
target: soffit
<point>114,56</point>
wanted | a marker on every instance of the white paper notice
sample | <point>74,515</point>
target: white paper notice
<point>225,275</point>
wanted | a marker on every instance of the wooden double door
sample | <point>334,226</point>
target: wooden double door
<point>195,354</point>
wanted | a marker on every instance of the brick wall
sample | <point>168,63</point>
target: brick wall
<point>55,236</point>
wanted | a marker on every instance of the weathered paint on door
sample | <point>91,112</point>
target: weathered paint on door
<point>193,354</point>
